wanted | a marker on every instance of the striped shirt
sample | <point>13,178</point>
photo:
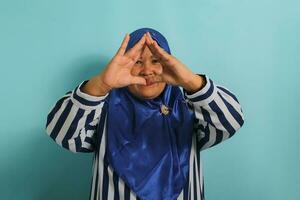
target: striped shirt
<point>77,122</point>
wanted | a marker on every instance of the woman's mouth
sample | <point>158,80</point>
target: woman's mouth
<point>149,82</point>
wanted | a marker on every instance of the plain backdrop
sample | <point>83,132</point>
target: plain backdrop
<point>251,47</point>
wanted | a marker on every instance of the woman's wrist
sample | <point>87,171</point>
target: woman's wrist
<point>96,87</point>
<point>196,83</point>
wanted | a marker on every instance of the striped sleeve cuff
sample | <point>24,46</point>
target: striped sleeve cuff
<point>205,95</point>
<point>84,100</point>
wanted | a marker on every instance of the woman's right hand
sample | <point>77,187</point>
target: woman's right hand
<point>117,72</point>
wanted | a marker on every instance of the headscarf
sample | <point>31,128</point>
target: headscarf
<point>149,140</point>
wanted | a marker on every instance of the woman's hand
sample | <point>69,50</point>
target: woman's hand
<point>174,72</point>
<point>117,72</point>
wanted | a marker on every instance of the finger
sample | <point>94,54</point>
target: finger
<point>148,38</point>
<point>160,51</point>
<point>138,80</point>
<point>155,52</point>
<point>137,55</point>
<point>124,44</point>
<point>137,47</point>
<point>155,48</point>
<point>151,41</point>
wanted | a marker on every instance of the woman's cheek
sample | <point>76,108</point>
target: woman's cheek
<point>159,70</point>
<point>135,70</point>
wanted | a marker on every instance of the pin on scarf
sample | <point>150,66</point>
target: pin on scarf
<point>164,109</point>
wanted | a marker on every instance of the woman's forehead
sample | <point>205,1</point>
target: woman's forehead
<point>146,53</point>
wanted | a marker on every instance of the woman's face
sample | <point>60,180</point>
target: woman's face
<point>148,67</point>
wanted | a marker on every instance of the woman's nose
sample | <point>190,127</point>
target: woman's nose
<point>147,69</point>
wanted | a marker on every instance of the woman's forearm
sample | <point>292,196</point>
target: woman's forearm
<point>96,87</point>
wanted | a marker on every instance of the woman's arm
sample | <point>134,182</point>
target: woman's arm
<point>218,113</point>
<point>73,120</point>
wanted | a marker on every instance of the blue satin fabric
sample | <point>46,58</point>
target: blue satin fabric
<point>136,35</point>
<point>147,149</point>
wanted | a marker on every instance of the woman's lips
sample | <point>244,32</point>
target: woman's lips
<point>151,81</point>
<point>150,84</point>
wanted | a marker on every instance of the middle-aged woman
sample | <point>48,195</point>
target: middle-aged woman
<point>146,133</point>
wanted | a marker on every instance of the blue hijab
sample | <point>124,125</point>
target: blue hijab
<point>147,147</point>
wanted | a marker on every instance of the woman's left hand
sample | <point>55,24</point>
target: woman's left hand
<point>174,72</point>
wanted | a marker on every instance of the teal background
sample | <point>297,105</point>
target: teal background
<point>251,47</point>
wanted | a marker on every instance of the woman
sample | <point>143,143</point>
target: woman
<point>146,134</point>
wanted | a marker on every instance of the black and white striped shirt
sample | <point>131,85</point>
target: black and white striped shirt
<point>73,124</point>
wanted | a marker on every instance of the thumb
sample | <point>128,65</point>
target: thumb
<point>138,80</point>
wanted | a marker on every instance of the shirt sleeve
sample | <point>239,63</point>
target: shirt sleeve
<point>218,114</point>
<point>73,120</point>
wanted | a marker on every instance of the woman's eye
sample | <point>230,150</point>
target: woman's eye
<point>155,61</point>
<point>138,62</point>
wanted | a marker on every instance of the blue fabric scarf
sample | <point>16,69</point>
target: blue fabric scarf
<point>150,150</point>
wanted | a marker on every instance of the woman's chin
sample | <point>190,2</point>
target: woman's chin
<point>147,94</point>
